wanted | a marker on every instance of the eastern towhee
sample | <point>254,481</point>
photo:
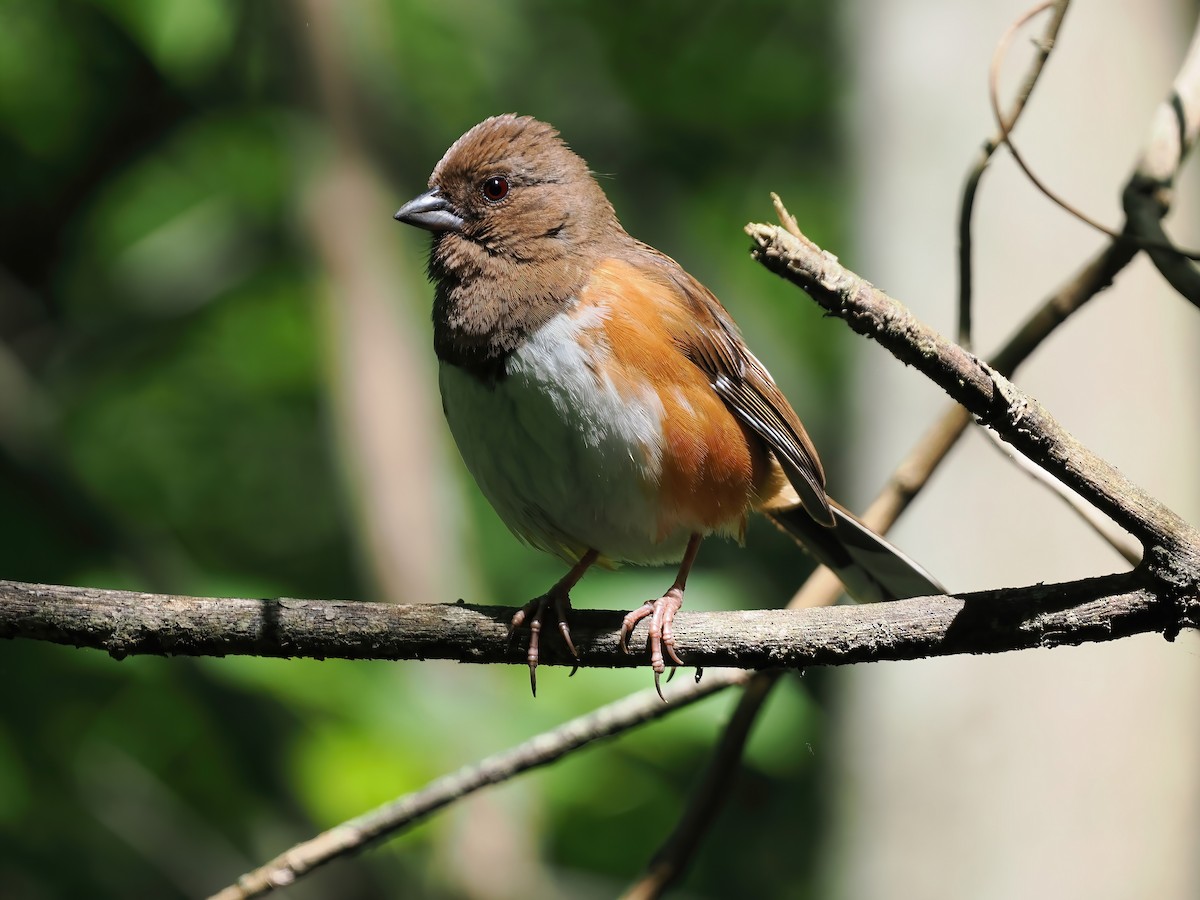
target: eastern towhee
<point>601,396</point>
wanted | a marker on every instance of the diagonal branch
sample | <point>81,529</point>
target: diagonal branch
<point>980,388</point>
<point>821,589</point>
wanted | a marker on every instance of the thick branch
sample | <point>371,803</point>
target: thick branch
<point>126,623</point>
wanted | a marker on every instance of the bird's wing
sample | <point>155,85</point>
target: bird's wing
<point>708,336</point>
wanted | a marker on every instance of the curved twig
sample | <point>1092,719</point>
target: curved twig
<point>1147,198</point>
<point>1182,119</point>
<point>671,858</point>
<point>967,206</point>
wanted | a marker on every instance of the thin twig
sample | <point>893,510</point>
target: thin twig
<point>1185,122</point>
<point>350,837</point>
<point>1147,199</point>
<point>1098,523</point>
<point>1044,48</point>
<point>665,866</point>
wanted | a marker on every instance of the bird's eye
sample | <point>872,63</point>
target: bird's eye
<point>495,188</point>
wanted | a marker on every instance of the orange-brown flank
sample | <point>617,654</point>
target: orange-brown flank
<point>712,466</point>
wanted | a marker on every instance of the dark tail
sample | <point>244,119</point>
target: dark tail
<point>869,567</point>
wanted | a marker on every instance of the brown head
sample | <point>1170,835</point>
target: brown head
<point>517,222</point>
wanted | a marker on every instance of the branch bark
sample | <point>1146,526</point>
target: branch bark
<point>125,623</point>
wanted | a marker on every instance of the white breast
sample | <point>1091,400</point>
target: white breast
<point>567,461</point>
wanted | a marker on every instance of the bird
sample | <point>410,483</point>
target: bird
<point>602,398</point>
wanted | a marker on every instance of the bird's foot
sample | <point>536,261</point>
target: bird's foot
<point>661,613</point>
<point>554,606</point>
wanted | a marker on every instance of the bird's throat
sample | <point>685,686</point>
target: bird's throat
<point>480,320</point>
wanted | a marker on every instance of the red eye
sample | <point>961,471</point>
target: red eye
<point>495,188</point>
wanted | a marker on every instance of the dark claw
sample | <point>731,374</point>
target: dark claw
<point>566,633</point>
<point>658,687</point>
<point>535,632</point>
<point>534,612</point>
<point>699,674</point>
<point>671,674</point>
<point>519,617</point>
<point>561,607</point>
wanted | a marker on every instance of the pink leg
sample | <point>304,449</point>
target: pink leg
<point>557,600</point>
<point>661,613</point>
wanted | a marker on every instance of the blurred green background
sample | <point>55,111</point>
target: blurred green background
<point>216,379</point>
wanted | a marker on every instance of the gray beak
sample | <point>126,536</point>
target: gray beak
<point>430,211</point>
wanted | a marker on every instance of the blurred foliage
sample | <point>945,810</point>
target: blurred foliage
<point>165,425</point>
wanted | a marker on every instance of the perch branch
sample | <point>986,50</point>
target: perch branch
<point>126,623</point>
